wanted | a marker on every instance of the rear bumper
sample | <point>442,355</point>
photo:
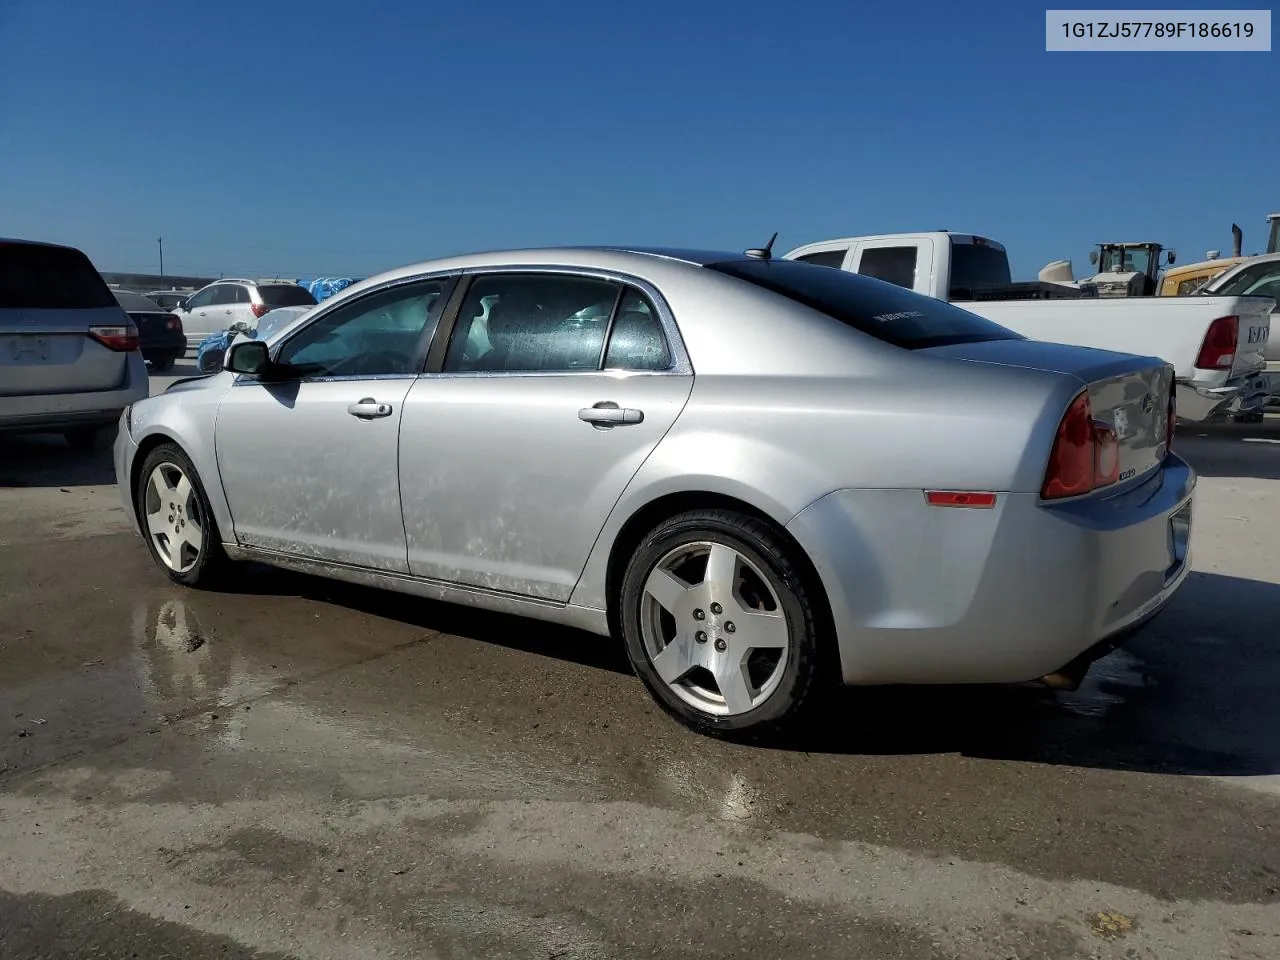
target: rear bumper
<point>925,594</point>
<point>1240,395</point>
<point>48,412</point>
<point>170,346</point>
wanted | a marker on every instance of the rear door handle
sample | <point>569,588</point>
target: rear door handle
<point>606,413</point>
<point>369,409</point>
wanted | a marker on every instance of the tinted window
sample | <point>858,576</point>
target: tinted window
<point>202,299</point>
<point>883,311</point>
<point>377,335</point>
<point>976,267</point>
<point>826,258</point>
<point>33,277</point>
<point>531,322</point>
<point>285,295</point>
<point>223,294</point>
<point>136,303</point>
<point>896,265</point>
<point>240,294</point>
<point>636,341</point>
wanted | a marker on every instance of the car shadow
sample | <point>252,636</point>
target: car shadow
<point>512,632</point>
<point>47,460</point>
<point>1192,694</point>
<point>1232,449</point>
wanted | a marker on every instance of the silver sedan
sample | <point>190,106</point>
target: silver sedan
<point>763,476</point>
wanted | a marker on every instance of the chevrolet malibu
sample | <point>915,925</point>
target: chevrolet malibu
<point>761,475</point>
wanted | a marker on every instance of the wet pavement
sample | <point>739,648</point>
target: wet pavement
<point>297,768</point>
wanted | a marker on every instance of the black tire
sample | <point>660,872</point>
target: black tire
<point>161,365</point>
<point>212,567</point>
<point>83,438</point>
<point>810,658</point>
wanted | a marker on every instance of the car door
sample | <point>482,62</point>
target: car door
<point>519,440</point>
<point>308,456</point>
<point>197,316</point>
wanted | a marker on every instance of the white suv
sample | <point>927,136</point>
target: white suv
<point>224,303</point>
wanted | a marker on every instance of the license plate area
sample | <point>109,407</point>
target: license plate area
<point>1179,539</point>
<point>24,348</point>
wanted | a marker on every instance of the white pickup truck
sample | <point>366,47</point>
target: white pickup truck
<point>1216,344</point>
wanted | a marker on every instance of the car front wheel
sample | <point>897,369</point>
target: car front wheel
<point>720,621</point>
<point>173,511</point>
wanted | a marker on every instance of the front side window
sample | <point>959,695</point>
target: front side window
<point>533,322</point>
<point>202,299</point>
<point>224,294</point>
<point>896,265</point>
<point>378,335</point>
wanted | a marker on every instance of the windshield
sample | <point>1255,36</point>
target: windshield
<point>285,295</point>
<point>882,310</point>
<point>1124,260</point>
<point>976,267</point>
<point>1259,280</point>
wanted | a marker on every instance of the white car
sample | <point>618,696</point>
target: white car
<point>224,303</point>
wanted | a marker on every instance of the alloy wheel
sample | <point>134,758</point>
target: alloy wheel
<point>714,629</point>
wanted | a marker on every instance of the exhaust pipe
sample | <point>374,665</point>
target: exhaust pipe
<point>1237,240</point>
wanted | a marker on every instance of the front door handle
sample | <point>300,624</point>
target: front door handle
<point>606,414</point>
<point>369,409</point>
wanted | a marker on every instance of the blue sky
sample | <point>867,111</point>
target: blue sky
<point>305,136</point>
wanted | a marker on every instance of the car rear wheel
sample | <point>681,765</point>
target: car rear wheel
<point>719,620</point>
<point>173,511</point>
<point>165,363</point>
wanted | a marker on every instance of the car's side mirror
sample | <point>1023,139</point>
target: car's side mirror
<point>1172,256</point>
<point>250,357</point>
<point>1093,257</point>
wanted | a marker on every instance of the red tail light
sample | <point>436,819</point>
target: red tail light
<point>1218,352</point>
<point>174,322</point>
<point>124,339</point>
<point>1171,419</point>
<point>1085,454</point>
<point>259,309</point>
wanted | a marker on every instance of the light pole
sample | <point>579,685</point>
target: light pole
<point>160,240</point>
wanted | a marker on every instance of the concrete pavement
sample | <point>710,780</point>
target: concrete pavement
<point>306,769</point>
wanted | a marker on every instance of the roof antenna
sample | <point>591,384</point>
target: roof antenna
<point>765,252</point>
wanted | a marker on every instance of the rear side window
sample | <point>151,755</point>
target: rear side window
<point>896,265</point>
<point>884,311</point>
<point>33,277</point>
<point>285,295</point>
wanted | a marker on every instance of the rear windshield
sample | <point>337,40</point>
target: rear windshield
<point>884,311</point>
<point>33,277</point>
<point>136,303</point>
<point>285,295</point>
<point>977,267</point>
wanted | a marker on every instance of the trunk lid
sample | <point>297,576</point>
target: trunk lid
<point>1128,393</point>
<point>49,298</point>
<point>1252,349</point>
<point>50,351</point>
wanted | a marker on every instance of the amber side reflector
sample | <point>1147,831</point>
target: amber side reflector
<point>959,498</point>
